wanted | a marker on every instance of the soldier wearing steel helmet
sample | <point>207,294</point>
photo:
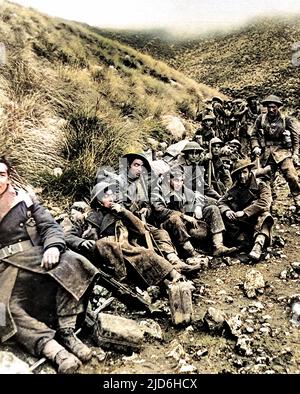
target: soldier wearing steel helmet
<point>183,212</point>
<point>275,139</point>
<point>206,132</point>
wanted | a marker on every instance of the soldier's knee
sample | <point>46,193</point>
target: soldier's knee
<point>211,209</point>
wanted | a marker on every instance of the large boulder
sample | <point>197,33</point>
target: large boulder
<point>174,126</point>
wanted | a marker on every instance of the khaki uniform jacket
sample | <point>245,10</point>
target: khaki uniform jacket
<point>254,200</point>
<point>115,235</point>
<point>272,141</point>
<point>29,221</point>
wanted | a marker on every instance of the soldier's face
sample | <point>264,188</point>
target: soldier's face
<point>244,176</point>
<point>108,198</point>
<point>194,156</point>
<point>136,168</point>
<point>215,149</point>
<point>272,110</point>
<point>234,148</point>
<point>176,184</point>
<point>4,178</point>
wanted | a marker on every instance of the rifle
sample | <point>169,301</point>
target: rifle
<point>147,234</point>
<point>125,292</point>
<point>209,166</point>
<point>257,163</point>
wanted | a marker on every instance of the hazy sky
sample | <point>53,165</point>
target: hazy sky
<point>182,14</point>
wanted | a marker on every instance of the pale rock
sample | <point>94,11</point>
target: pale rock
<point>10,364</point>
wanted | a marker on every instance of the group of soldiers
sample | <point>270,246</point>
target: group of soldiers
<point>149,223</point>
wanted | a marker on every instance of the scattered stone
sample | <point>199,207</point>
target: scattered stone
<point>234,324</point>
<point>184,367</point>
<point>214,320</point>
<point>10,364</point>
<point>189,329</point>
<point>229,300</point>
<point>265,330</point>
<point>283,274</point>
<point>267,317</point>
<point>253,283</point>
<point>249,329</point>
<point>238,362</point>
<point>151,328</point>
<point>243,345</point>
<point>221,292</point>
<point>295,319</point>
<point>176,351</point>
<point>202,352</point>
<point>296,266</point>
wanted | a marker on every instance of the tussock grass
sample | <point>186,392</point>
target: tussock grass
<point>74,99</point>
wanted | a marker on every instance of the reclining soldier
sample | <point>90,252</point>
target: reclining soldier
<point>110,236</point>
<point>42,286</point>
<point>135,184</point>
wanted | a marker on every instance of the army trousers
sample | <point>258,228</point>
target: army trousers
<point>180,231</point>
<point>288,171</point>
<point>39,306</point>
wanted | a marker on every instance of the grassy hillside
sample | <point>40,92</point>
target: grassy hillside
<point>74,99</point>
<point>257,57</point>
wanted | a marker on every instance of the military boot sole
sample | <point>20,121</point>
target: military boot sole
<point>67,362</point>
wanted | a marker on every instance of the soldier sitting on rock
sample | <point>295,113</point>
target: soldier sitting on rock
<point>246,209</point>
<point>43,286</point>
<point>188,215</point>
<point>192,158</point>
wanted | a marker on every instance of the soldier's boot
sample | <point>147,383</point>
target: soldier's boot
<point>180,301</point>
<point>69,339</point>
<point>189,249</point>
<point>180,266</point>
<point>219,249</point>
<point>67,363</point>
<point>256,251</point>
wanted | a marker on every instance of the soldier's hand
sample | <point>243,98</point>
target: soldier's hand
<point>50,258</point>
<point>198,212</point>
<point>88,244</point>
<point>116,207</point>
<point>257,151</point>
<point>191,220</point>
<point>144,212</point>
<point>231,215</point>
<point>239,214</point>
